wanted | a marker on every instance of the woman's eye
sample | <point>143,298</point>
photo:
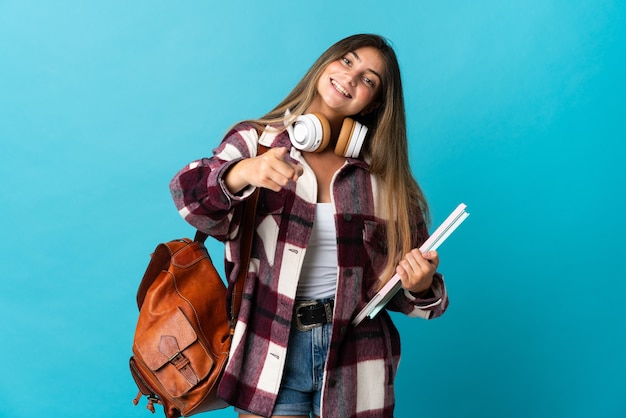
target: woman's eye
<point>368,81</point>
<point>346,61</point>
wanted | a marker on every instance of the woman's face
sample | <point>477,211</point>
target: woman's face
<point>350,84</point>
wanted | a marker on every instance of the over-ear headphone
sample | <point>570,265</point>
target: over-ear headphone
<point>311,132</point>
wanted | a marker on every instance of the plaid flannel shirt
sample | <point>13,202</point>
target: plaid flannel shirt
<point>363,360</point>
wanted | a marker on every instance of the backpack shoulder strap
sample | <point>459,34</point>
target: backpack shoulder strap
<point>247,228</point>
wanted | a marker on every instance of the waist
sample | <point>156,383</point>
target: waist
<point>309,314</point>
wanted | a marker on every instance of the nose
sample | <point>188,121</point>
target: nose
<point>352,78</point>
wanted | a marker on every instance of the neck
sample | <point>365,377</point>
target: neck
<point>335,120</point>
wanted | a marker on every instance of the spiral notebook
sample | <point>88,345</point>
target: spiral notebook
<point>394,284</point>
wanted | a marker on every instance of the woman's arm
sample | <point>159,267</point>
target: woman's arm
<point>199,190</point>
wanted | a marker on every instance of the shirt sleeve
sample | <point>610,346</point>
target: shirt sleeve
<point>432,306</point>
<point>199,191</point>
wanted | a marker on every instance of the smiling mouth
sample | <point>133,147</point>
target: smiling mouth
<point>340,88</point>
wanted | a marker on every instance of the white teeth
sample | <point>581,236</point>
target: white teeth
<point>340,89</point>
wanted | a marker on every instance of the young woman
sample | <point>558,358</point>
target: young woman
<point>331,229</point>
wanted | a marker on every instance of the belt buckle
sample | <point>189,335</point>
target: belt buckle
<point>299,324</point>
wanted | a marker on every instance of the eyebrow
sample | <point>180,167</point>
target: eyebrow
<point>369,69</point>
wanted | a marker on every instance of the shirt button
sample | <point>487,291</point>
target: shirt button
<point>347,272</point>
<point>347,217</point>
<point>332,383</point>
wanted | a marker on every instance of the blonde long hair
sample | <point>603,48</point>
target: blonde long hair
<point>386,144</point>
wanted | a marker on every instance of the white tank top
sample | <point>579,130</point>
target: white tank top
<point>318,279</point>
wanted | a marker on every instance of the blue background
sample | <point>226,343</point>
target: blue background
<point>515,108</point>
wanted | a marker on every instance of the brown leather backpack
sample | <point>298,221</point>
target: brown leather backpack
<point>184,329</point>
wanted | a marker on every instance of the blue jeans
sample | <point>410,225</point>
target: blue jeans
<point>301,387</point>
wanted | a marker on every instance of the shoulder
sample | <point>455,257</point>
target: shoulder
<point>243,128</point>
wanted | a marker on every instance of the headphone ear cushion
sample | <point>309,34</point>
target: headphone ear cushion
<point>351,138</point>
<point>310,132</point>
<point>347,127</point>
<point>325,131</point>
